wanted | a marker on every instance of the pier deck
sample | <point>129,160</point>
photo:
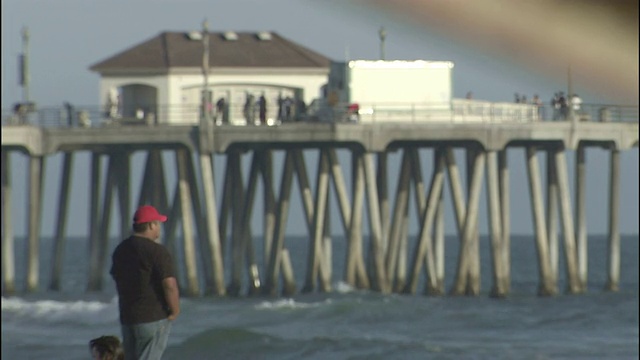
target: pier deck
<point>378,137</point>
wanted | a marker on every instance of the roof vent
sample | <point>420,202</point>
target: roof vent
<point>194,35</point>
<point>264,35</point>
<point>230,36</point>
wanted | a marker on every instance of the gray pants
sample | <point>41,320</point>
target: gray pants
<point>145,341</point>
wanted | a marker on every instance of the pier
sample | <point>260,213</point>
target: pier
<point>210,226</point>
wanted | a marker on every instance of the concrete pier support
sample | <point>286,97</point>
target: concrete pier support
<point>310,208</point>
<point>153,188</point>
<point>118,174</point>
<point>322,224</point>
<point>168,237</point>
<point>504,217</point>
<point>226,206</point>
<point>61,227</point>
<point>193,286</point>
<point>355,271</point>
<point>159,195</point>
<point>420,197</point>
<point>552,213</point>
<point>246,239</point>
<point>94,221</point>
<point>105,222</point>
<point>199,217</point>
<point>614,232</point>
<point>432,260</point>
<point>547,287</point>
<point>216,286</point>
<point>438,243</point>
<point>383,197</point>
<point>581,215</point>
<point>289,286</point>
<point>420,193</point>
<point>145,184</point>
<point>341,190</point>
<point>266,168</point>
<point>495,226</point>
<point>305,189</point>
<point>568,230</point>
<point>316,251</point>
<point>327,247</point>
<point>467,274</point>
<point>237,203</point>
<point>8,253</point>
<point>474,280</point>
<point>124,194</point>
<point>36,173</point>
<point>402,267</point>
<point>457,195</point>
<point>459,210</point>
<point>423,255</point>
<point>381,282</point>
<point>284,263</point>
<point>277,249</point>
<point>402,200</point>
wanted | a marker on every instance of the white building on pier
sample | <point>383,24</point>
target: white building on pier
<point>163,75</point>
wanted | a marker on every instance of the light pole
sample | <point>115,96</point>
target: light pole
<point>205,72</point>
<point>24,64</point>
<point>383,34</point>
<point>569,97</point>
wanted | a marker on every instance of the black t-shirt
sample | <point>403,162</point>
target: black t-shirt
<point>138,267</point>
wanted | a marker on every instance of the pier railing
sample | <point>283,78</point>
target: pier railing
<point>456,111</point>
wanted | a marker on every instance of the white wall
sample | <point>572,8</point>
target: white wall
<point>394,82</point>
<point>179,92</point>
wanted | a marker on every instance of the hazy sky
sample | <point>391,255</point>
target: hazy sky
<point>68,36</point>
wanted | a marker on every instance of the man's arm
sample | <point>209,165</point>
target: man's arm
<point>172,296</point>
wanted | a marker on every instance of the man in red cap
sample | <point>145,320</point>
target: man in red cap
<point>148,295</point>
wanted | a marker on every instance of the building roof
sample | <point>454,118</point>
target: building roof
<point>226,49</point>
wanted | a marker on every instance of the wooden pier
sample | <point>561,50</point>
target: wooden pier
<point>210,228</point>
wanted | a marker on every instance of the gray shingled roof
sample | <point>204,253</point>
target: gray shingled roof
<point>175,49</point>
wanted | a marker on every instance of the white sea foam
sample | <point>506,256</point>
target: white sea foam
<point>290,304</point>
<point>343,288</point>
<point>90,312</point>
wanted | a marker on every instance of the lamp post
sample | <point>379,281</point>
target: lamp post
<point>569,98</point>
<point>24,64</point>
<point>206,126</point>
<point>383,34</point>
<point>205,72</point>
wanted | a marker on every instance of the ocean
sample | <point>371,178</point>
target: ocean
<point>348,323</point>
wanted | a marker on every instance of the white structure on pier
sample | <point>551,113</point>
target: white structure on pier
<point>162,80</point>
<point>164,75</point>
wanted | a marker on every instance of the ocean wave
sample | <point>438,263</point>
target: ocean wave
<point>231,343</point>
<point>79,311</point>
<point>248,343</point>
<point>290,304</point>
<point>344,288</point>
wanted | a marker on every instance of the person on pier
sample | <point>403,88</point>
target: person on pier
<point>148,294</point>
<point>262,109</point>
<point>220,107</point>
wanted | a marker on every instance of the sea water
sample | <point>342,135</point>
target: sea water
<point>348,323</point>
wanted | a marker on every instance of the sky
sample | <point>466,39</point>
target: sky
<point>68,36</point>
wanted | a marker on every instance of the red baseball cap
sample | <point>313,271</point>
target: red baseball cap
<point>147,213</point>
